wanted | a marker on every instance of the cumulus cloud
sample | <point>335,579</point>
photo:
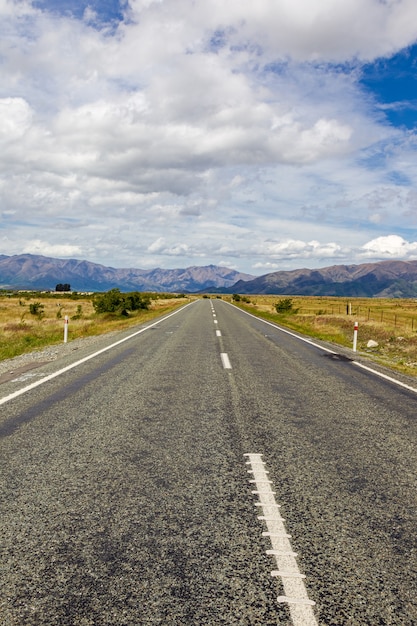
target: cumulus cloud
<point>391,246</point>
<point>308,249</point>
<point>302,29</point>
<point>47,249</point>
<point>15,118</point>
<point>244,136</point>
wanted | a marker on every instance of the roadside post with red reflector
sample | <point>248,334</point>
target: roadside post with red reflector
<point>66,329</point>
<point>355,336</point>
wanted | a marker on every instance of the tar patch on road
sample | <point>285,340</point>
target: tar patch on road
<point>337,357</point>
<point>8,376</point>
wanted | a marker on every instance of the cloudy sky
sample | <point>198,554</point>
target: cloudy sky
<point>259,135</point>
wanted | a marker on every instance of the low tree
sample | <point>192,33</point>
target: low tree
<point>114,301</point>
<point>63,287</point>
<point>108,302</point>
<point>285,306</point>
<point>36,308</point>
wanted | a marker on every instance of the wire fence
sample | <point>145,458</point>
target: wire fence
<point>374,314</point>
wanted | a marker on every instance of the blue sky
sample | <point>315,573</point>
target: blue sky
<point>392,82</point>
<point>260,136</point>
<point>106,10</point>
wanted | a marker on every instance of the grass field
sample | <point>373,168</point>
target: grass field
<point>392,323</point>
<point>31,321</point>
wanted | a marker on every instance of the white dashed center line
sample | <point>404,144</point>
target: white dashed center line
<point>225,360</point>
<point>299,604</point>
<point>218,333</point>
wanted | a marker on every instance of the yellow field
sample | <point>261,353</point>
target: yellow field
<point>23,331</point>
<point>392,323</point>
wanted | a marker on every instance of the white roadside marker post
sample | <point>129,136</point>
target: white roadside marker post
<point>355,336</point>
<point>66,329</point>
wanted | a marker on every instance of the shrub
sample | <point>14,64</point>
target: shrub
<point>121,303</point>
<point>36,308</point>
<point>79,313</point>
<point>285,306</point>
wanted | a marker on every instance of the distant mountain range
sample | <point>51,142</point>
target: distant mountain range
<point>385,279</point>
<point>29,271</point>
<point>390,279</point>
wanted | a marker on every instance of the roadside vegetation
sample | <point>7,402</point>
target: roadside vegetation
<point>32,320</point>
<point>389,323</point>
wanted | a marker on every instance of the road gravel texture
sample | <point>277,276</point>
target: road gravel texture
<point>125,497</point>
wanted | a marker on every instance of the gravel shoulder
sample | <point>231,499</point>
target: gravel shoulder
<point>37,358</point>
<point>49,354</point>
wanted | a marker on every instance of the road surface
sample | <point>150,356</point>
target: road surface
<point>128,479</point>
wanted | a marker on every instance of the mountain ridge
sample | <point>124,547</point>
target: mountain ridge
<point>390,279</point>
<point>394,279</point>
<point>31,271</point>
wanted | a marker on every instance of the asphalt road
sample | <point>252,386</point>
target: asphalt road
<point>126,496</point>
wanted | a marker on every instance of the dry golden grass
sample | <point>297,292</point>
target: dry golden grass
<point>21,331</point>
<point>392,323</point>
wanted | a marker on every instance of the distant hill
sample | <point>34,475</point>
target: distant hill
<point>30,271</point>
<point>390,279</point>
<point>385,279</point>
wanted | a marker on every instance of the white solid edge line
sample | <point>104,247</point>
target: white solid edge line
<point>283,330</point>
<point>20,392</point>
<point>385,376</point>
<point>316,345</point>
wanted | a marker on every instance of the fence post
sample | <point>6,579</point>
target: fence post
<point>66,329</point>
<point>355,336</point>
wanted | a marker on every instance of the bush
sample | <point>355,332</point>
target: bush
<point>36,308</point>
<point>78,315</point>
<point>285,306</point>
<point>121,303</point>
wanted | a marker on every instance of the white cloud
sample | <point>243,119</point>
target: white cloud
<point>157,246</point>
<point>46,249</point>
<point>301,29</point>
<point>235,139</point>
<point>15,118</point>
<point>303,249</point>
<point>390,246</point>
<point>266,267</point>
